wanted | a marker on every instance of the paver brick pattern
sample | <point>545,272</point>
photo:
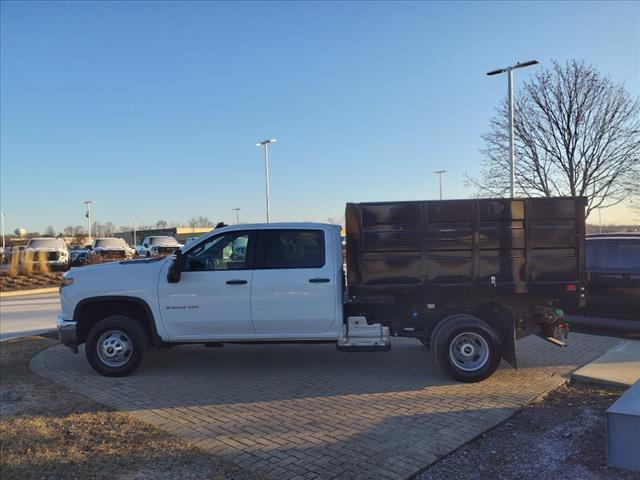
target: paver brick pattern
<point>311,412</point>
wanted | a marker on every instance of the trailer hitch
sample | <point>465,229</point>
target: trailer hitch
<point>556,328</point>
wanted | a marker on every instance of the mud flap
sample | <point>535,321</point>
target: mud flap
<point>506,330</point>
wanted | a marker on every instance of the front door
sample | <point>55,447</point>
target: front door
<point>293,290</point>
<point>213,297</point>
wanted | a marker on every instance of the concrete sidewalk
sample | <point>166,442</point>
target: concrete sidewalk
<point>33,291</point>
<point>619,366</point>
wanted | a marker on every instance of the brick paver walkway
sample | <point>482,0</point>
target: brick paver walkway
<point>309,411</point>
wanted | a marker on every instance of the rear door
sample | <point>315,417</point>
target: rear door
<point>293,290</point>
<point>614,270</point>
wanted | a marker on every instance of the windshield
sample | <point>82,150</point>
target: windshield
<point>45,243</point>
<point>110,243</point>
<point>163,241</point>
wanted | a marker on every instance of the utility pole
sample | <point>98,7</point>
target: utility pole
<point>237,210</point>
<point>265,144</point>
<point>88,203</point>
<point>600,219</point>
<point>2,215</point>
<point>134,231</point>
<point>512,148</point>
<point>439,173</point>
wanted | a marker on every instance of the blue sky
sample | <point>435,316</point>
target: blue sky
<point>153,109</point>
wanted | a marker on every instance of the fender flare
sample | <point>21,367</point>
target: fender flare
<point>156,340</point>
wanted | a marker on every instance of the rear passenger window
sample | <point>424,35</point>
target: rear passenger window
<point>293,248</point>
<point>613,256</point>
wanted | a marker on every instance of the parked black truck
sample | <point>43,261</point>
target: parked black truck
<point>467,277</point>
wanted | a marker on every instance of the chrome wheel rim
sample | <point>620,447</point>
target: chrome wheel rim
<point>469,351</point>
<point>114,348</point>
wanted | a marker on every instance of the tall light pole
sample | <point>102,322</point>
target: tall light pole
<point>88,203</point>
<point>237,210</point>
<point>439,173</point>
<point>600,219</point>
<point>265,144</point>
<point>2,215</point>
<point>512,151</point>
<point>134,231</point>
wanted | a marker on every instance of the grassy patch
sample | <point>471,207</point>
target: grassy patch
<point>47,432</point>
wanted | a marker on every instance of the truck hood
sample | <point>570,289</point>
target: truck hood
<point>123,267</point>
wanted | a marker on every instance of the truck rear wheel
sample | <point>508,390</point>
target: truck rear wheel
<point>116,346</point>
<point>466,348</point>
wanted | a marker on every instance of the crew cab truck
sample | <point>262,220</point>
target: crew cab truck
<point>464,277</point>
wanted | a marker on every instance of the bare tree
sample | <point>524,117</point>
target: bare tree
<point>49,231</point>
<point>576,133</point>
<point>200,222</point>
<point>162,224</point>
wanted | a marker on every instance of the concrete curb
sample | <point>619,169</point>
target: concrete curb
<point>619,366</point>
<point>34,291</point>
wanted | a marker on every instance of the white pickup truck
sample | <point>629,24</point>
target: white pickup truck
<point>284,282</point>
<point>157,246</point>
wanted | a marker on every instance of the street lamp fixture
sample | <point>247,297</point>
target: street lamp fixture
<point>512,154</point>
<point>265,144</point>
<point>439,173</point>
<point>88,203</point>
<point>237,210</point>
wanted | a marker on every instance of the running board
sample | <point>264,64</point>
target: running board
<point>359,336</point>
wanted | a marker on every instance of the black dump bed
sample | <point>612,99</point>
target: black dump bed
<point>420,250</point>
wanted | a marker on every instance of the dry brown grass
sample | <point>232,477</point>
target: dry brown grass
<point>27,262</point>
<point>48,432</point>
<point>14,264</point>
<point>43,266</point>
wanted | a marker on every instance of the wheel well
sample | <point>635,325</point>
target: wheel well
<point>90,312</point>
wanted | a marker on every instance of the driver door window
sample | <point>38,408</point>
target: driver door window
<point>223,252</point>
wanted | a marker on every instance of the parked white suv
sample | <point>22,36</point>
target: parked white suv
<point>55,251</point>
<point>157,246</point>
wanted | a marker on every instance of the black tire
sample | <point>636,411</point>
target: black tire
<point>148,254</point>
<point>459,344</point>
<point>119,333</point>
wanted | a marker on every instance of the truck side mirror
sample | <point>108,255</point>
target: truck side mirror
<point>175,270</point>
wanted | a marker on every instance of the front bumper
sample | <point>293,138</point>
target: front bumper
<point>67,333</point>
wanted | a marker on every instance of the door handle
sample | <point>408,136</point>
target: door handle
<point>319,280</point>
<point>236,282</point>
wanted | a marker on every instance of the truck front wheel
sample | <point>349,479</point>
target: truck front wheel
<point>115,346</point>
<point>466,348</point>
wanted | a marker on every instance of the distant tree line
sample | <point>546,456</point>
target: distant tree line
<point>108,229</point>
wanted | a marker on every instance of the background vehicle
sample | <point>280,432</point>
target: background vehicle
<point>613,289</point>
<point>157,246</point>
<point>57,254</point>
<point>110,249</point>
<point>78,255</point>
<point>464,277</point>
<point>613,264</point>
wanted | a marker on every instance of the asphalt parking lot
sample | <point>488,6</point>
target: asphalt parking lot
<point>309,411</point>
